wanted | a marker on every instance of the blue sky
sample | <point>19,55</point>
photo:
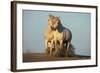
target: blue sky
<point>34,23</point>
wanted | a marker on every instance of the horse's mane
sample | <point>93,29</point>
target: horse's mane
<point>60,26</point>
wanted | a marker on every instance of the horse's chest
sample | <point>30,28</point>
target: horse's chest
<point>50,35</point>
<point>58,35</point>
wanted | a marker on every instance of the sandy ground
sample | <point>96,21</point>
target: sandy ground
<point>37,57</point>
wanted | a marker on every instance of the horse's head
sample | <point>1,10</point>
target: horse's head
<point>53,22</point>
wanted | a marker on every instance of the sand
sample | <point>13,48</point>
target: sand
<point>38,57</point>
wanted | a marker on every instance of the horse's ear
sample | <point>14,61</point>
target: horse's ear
<point>50,15</point>
<point>58,17</point>
<point>59,20</point>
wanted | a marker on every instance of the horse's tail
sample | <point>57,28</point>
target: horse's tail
<point>71,50</point>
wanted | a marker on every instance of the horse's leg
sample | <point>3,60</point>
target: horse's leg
<point>46,46</point>
<point>55,46</point>
<point>50,52</point>
<point>51,47</point>
<point>68,44</point>
<point>59,50</point>
<point>61,44</point>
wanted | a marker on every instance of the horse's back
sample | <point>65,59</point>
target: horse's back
<point>67,34</point>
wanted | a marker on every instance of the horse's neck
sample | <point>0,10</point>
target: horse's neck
<point>49,29</point>
<point>60,28</point>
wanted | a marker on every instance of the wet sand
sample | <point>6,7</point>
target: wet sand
<point>38,57</point>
